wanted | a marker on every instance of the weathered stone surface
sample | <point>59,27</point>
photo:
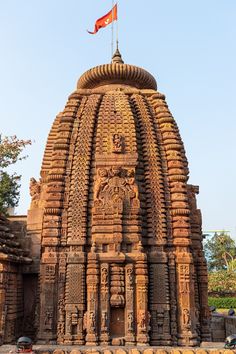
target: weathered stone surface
<point>161,351</point>
<point>119,229</point>
<point>59,351</point>
<point>148,351</point>
<point>135,351</point>
<point>75,351</point>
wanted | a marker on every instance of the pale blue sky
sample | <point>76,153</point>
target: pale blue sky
<point>190,48</point>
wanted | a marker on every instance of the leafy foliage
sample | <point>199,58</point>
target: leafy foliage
<point>10,152</point>
<point>222,302</point>
<point>222,281</point>
<point>220,252</point>
<point>9,191</point>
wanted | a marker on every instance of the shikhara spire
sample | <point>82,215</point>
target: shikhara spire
<point>120,231</point>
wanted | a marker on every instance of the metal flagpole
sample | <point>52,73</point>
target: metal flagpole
<point>112,30</point>
<point>117,41</point>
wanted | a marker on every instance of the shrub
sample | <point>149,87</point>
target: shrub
<point>222,302</point>
<point>222,281</point>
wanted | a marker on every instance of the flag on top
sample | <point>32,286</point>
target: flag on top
<point>105,20</point>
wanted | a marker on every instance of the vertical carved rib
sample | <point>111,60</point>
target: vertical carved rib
<point>77,228</point>
<point>51,233</point>
<point>177,172</point>
<point>152,170</point>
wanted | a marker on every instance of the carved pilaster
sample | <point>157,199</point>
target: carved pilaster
<point>143,316</point>
<point>48,307</point>
<point>173,298</point>
<point>92,298</point>
<point>75,299</point>
<point>159,299</point>
<point>186,301</point>
<point>130,297</point>
<point>104,304</point>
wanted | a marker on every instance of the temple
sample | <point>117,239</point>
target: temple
<point>115,232</point>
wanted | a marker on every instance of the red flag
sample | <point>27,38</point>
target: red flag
<point>105,20</point>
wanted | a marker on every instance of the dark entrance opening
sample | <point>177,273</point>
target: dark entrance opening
<point>117,324</point>
<point>30,286</point>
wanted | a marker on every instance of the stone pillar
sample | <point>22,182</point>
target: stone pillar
<point>104,305</point>
<point>92,298</point>
<point>75,297</point>
<point>173,299</point>
<point>142,314</point>
<point>47,325</point>
<point>129,313</point>
<point>159,298</point>
<point>203,298</point>
<point>186,301</point>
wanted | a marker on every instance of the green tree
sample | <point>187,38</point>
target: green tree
<point>222,281</point>
<point>220,252</point>
<point>10,152</point>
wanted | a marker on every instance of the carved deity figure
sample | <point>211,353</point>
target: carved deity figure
<point>34,189</point>
<point>92,321</point>
<point>186,317</point>
<point>48,320</point>
<point>104,276</point>
<point>117,143</point>
<point>85,320</point>
<point>116,171</point>
<point>130,275</point>
<point>130,321</point>
<point>131,185</point>
<point>142,321</point>
<point>104,321</point>
<point>101,183</point>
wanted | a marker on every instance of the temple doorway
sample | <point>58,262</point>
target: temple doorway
<point>117,324</point>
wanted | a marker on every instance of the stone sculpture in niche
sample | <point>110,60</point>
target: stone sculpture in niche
<point>131,184</point>
<point>142,321</point>
<point>92,321</point>
<point>104,276</point>
<point>117,143</point>
<point>35,189</point>
<point>130,321</point>
<point>114,186</point>
<point>48,319</point>
<point>104,321</point>
<point>101,183</point>
<point>186,318</point>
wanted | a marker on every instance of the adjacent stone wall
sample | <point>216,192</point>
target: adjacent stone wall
<point>222,326</point>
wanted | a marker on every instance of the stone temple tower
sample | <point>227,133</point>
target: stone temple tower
<point>121,258</point>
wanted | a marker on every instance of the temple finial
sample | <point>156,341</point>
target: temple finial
<point>117,58</point>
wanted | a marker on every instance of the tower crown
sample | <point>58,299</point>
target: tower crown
<point>117,73</point>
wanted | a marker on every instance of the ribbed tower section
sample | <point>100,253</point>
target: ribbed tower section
<point>121,242</point>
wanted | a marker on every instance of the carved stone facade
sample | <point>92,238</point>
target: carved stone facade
<point>13,259</point>
<point>120,234</point>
